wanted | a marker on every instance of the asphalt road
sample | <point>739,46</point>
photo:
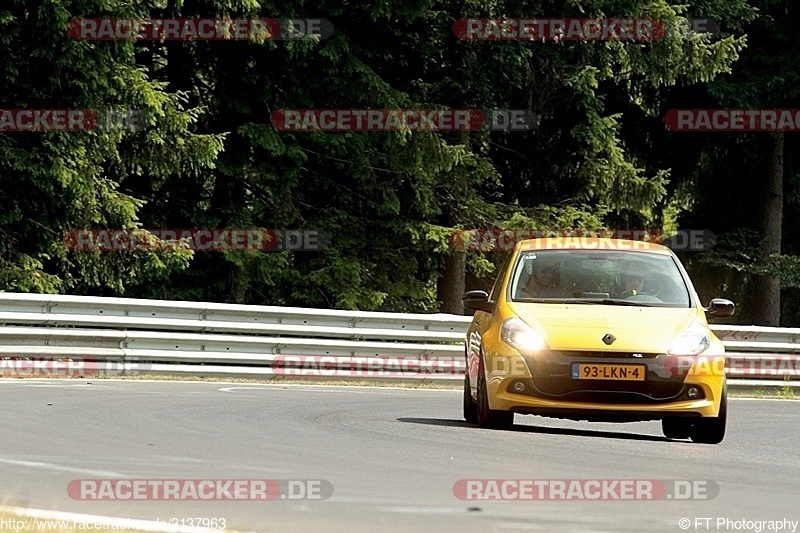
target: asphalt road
<point>391,456</point>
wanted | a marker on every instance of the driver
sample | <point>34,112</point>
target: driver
<point>631,279</point>
<point>544,278</point>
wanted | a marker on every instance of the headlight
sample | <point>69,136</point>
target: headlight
<point>521,336</point>
<point>693,341</point>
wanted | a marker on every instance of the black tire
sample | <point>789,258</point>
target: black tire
<point>712,430</point>
<point>490,418</point>
<point>470,407</point>
<point>676,428</point>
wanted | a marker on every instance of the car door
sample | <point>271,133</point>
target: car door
<point>481,322</point>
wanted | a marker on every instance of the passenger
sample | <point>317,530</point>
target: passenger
<point>544,278</point>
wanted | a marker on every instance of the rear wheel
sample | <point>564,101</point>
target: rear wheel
<point>470,407</point>
<point>712,430</point>
<point>676,428</point>
<point>490,418</point>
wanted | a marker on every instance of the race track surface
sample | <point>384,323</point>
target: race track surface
<point>391,456</point>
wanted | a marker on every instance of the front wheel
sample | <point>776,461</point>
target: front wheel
<point>490,418</point>
<point>712,430</point>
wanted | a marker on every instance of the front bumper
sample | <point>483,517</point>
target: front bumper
<point>543,384</point>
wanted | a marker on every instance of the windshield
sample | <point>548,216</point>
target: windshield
<point>615,278</point>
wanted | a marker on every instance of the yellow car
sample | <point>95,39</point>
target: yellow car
<point>600,330</point>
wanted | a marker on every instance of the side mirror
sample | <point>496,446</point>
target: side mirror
<point>720,308</point>
<point>478,301</point>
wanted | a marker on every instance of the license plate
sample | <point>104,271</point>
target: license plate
<point>607,371</point>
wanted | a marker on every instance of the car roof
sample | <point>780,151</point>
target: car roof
<point>592,243</point>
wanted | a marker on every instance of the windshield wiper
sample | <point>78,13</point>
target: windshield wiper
<point>596,301</point>
<point>605,301</point>
<point>540,300</point>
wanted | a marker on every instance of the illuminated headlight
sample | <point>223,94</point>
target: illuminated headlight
<point>521,336</point>
<point>693,341</point>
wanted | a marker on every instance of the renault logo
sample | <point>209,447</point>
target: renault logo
<point>608,338</point>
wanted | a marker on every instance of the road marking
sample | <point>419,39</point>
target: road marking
<point>28,382</point>
<point>739,399</point>
<point>425,510</point>
<point>363,500</point>
<point>231,389</point>
<point>333,388</point>
<point>61,468</point>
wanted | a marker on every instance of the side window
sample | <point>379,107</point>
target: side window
<point>501,274</point>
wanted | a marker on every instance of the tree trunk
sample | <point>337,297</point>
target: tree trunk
<point>766,289</point>
<point>239,283</point>
<point>451,284</point>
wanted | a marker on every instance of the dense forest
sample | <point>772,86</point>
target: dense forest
<point>207,154</point>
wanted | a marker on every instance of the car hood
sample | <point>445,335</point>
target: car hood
<point>582,326</point>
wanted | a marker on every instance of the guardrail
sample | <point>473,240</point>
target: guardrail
<point>91,335</point>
